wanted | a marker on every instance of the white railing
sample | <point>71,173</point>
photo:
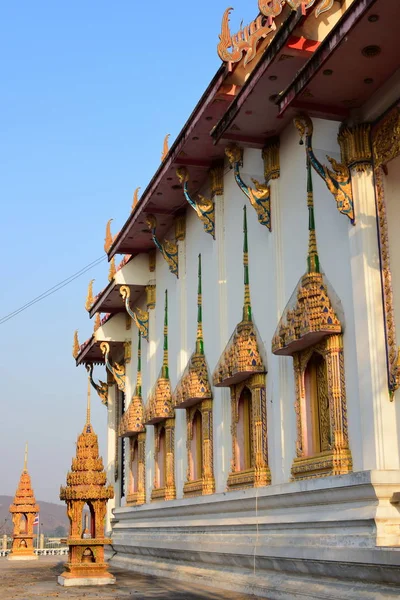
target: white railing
<point>52,551</point>
<point>41,552</point>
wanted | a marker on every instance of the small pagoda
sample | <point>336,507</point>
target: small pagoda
<point>23,512</point>
<point>86,493</point>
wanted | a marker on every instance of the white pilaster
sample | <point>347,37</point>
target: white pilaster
<point>377,414</point>
<point>279,368</point>
<point>221,404</point>
<point>181,362</point>
<point>110,466</point>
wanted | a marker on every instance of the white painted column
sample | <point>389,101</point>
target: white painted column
<point>222,402</point>
<point>378,436</point>
<point>182,359</point>
<point>151,372</point>
<point>279,399</point>
<point>110,464</point>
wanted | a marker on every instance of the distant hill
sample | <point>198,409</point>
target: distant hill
<point>51,516</point>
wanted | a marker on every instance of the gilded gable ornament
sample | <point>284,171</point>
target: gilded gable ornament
<point>309,315</point>
<point>259,195</point>
<point>204,207</point>
<point>132,421</point>
<point>168,249</point>
<point>159,405</point>
<point>337,179</point>
<point>241,358</point>
<point>194,385</point>
<point>140,317</point>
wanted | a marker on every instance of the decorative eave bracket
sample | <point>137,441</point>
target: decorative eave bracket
<point>338,180</point>
<point>101,387</point>
<point>168,249</point>
<point>259,196</point>
<point>116,370</point>
<point>140,317</point>
<point>204,207</point>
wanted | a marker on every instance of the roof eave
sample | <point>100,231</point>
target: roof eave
<point>334,38</point>
<point>173,152</point>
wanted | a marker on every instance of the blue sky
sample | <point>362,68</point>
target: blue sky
<point>88,92</point>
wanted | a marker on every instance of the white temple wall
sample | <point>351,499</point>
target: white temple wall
<point>222,269</point>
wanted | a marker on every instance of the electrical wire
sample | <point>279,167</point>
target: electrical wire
<point>53,289</point>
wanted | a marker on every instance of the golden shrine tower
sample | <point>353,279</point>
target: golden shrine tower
<point>23,511</point>
<point>86,488</point>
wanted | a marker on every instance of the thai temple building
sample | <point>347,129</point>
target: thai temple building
<point>248,336</point>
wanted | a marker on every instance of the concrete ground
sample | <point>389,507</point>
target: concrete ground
<point>37,580</point>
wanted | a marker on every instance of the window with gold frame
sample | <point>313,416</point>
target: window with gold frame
<point>249,467</point>
<point>322,446</point>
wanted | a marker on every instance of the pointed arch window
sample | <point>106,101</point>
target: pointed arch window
<point>317,426</point>
<point>243,454</point>
<point>196,447</point>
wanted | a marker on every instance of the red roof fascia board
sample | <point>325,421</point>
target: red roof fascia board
<point>172,155</point>
<point>342,28</point>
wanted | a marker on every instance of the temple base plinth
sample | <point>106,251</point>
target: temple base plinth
<point>82,581</point>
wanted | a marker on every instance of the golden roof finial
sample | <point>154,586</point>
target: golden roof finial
<point>75,347</point>
<point>88,403</point>
<point>26,457</point>
<point>108,239</point>
<point>97,322</point>
<point>135,198</point>
<point>89,297</point>
<point>112,270</point>
<point>165,147</point>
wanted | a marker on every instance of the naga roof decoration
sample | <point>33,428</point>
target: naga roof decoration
<point>140,317</point>
<point>159,404</point>
<point>97,322</point>
<point>132,420</point>
<point>204,207</point>
<point>241,357</point>
<point>87,478</point>
<point>108,240</point>
<point>89,296</point>
<point>112,270</point>
<point>259,196</point>
<point>231,48</point>
<point>244,41</point>
<point>116,370</point>
<point>75,346</point>
<point>168,249</point>
<point>24,499</point>
<point>101,387</point>
<point>194,385</point>
<point>165,147</point>
<point>309,315</point>
<point>135,200</point>
<point>338,180</point>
